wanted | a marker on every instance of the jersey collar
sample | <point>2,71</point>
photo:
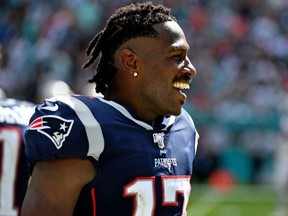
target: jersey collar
<point>161,123</point>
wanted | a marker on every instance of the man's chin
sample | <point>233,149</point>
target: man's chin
<point>175,112</point>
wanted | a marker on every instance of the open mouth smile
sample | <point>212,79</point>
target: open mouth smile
<point>181,85</point>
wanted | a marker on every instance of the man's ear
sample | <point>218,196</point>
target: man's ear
<point>129,60</point>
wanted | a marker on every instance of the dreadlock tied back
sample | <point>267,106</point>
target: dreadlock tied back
<point>131,21</point>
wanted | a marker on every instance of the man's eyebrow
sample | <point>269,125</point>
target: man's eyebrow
<point>179,47</point>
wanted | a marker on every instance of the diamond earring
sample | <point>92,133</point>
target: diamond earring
<point>135,74</point>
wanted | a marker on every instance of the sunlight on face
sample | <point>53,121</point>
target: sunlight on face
<point>163,59</point>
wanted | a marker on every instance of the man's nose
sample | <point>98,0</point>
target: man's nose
<point>189,67</point>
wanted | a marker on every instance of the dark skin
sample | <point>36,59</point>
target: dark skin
<point>159,62</point>
<point>163,70</point>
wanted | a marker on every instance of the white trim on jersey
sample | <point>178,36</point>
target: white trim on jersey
<point>122,110</point>
<point>197,134</point>
<point>171,121</point>
<point>92,127</point>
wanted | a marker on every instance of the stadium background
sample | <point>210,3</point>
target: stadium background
<point>238,99</point>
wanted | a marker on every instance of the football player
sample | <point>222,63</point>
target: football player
<point>14,118</point>
<point>131,151</point>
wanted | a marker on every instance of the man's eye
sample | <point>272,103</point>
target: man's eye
<point>179,58</point>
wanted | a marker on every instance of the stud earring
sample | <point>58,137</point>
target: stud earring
<point>135,74</point>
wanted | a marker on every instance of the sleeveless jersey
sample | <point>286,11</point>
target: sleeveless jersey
<point>142,170</point>
<point>14,175</point>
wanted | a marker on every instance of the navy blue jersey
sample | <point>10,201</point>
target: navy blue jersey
<point>14,175</point>
<point>142,169</point>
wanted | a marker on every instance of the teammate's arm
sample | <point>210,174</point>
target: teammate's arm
<point>55,186</point>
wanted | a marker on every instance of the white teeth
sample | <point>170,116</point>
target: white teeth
<point>181,86</point>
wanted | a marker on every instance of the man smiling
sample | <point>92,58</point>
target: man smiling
<point>131,151</point>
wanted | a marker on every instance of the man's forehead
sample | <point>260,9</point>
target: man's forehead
<point>169,27</point>
<point>170,35</point>
<point>173,34</point>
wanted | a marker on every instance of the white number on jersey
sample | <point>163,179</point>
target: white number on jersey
<point>10,143</point>
<point>143,191</point>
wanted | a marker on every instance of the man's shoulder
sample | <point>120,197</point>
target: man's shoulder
<point>67,105</point>
<point>64,126</point>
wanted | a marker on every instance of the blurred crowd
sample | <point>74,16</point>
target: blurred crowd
<point>239,48</point>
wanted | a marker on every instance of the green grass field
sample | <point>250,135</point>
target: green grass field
<point>239,201</point>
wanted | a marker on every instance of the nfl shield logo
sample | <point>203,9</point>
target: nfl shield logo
<point>159,138</point>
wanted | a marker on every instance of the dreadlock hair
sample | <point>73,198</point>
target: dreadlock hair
<point>131,21</point>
